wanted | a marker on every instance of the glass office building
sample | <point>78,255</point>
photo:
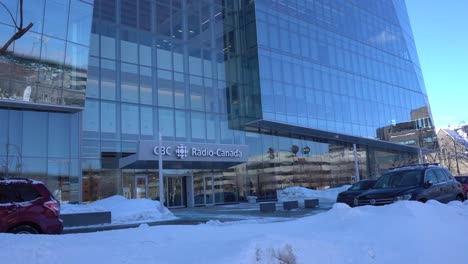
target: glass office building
<point>315,93</point>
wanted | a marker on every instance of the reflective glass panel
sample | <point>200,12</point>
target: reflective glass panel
<point>108,117</point>
<point>56,13</point>
<point>79,25</point>
<point>59,133</point>
<point>129,82</point>
<point>130,120</point>
<point>34,134</point>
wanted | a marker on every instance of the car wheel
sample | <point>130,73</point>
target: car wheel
<point>460,198</point>
<point>422,200</point>
<point>24,229</point>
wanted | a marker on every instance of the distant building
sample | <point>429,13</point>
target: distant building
<point>454,149</point>
<point>419,132</point>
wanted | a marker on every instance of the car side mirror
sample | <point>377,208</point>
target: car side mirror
<point>428,184</point>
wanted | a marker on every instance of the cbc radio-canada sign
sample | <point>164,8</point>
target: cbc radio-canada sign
<point>182,151</point>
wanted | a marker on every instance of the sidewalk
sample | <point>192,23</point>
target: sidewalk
<point>245,211</point>
<point>222,213</point>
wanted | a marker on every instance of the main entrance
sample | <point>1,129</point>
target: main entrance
<point>192,172</point>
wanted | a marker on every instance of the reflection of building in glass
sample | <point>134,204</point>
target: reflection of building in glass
<point>285,169</point>
<point>51,57</point>
<point>318,90</point>
<point>48,83</point>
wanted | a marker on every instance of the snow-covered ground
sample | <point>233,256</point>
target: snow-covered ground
<point>300,193</point>
<point>404,232</point>
<point>123,210</point>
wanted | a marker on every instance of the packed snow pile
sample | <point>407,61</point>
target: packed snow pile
<point>397,233</point>
<point>123,210</point>
<point>403,232</point>
<point>300,193</point>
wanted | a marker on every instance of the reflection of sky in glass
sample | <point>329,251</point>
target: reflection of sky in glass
<point>5,33</point>
<point>11,5</point>
<point>130,119</point>
<point>52,50</point>
<point>146,120</point>
<point>32,14</point>
<point>58,167</point>
<point>80,22</point>
<point>34,165</point>
<point>29,45</point>
<point>107,80</point>
<point>89,115</point>
<point>34,136</point>
<point>108,123</point>
<point>55,17</point>
<point>59,134</point>
<point>77,56</point>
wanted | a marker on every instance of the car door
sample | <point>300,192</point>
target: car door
<point>452,186</point>
<point>29,203</point>
<point>8,207</point>
<point>431,192</point>
<point>446,188</point>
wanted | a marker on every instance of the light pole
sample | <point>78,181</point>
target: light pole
<point>356,164</point>
<point>160,168</point>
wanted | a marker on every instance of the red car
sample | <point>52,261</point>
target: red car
<point>27,207</point>
<point>463,180</point>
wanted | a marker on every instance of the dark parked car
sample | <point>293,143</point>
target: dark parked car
<point>359,187</point>
<point>419,182</point>
<point>27,207</point>
<point>463,180</point>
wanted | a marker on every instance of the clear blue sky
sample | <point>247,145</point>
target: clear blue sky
<point>440,29</point>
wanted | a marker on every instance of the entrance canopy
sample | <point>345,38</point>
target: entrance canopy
<point>185,155</point>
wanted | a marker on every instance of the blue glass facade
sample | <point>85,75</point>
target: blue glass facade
<point>299,82</point>
<point>339,66</point>
<point>43,146</point>
<point>42,89</point>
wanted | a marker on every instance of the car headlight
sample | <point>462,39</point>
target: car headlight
<point>403,197</point>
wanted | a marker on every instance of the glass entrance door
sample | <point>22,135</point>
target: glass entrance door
<point>209,190</point>
<point>141,186</point>
<point>175,191</point>
<point>203,189</point>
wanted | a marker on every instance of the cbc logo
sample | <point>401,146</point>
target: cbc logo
<point>181,151</point>
<point>164,151</point>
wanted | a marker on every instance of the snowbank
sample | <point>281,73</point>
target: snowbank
<point>301,193</point>
<point>404,232</point>
<point>123,210</point>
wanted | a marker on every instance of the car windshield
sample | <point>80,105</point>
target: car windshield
<point>399,178</point>
<point>362,185</point>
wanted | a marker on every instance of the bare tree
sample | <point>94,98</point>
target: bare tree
<point>13,156</point>
<point>20,31</point>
